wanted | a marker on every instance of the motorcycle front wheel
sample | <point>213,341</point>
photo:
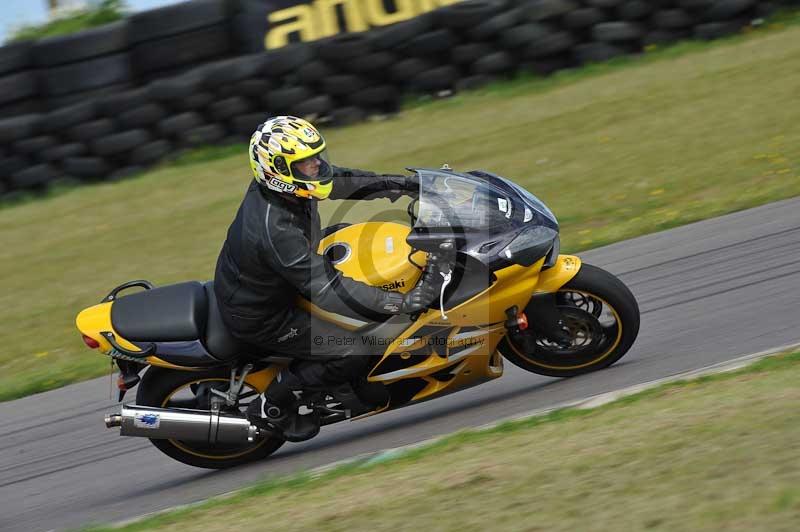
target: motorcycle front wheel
<point>602,317</point>
<point>166,388</point>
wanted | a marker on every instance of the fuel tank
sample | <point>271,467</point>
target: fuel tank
<point>375,253</point>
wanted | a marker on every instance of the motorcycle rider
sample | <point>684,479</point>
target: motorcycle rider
<point>270,257</point>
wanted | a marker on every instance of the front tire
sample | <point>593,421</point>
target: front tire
<point>166,388</point>
<point>602,317</point>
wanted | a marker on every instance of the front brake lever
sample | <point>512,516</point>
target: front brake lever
<point>447,247</point>
<point>447,278</point>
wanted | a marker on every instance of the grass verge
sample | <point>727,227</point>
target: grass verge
<point>714,453</point>
<point>617,153</point>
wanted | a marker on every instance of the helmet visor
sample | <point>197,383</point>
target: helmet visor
<point>313,168</point>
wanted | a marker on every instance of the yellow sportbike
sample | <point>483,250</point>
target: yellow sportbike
<point>506,293</point>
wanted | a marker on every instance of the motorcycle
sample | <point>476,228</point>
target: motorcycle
<point>506,293</point>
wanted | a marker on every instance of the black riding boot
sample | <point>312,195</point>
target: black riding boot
<point>372,394</point>
<point>335,372</point>
<point>276,410</point>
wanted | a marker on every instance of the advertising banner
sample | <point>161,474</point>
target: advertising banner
<point>267,24</point>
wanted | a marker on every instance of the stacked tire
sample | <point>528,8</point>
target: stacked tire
<point>528,36</point>
<point>235,88</point>
<point>18,169</point>
<point>83,66</point>
<point>19,87</point>
<point>174,38</point>
<point>18,97</point>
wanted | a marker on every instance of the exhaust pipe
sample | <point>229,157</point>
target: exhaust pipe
<point>181,424</point>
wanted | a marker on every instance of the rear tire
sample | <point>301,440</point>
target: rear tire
<point>160,386</point>
<point>602,316</point>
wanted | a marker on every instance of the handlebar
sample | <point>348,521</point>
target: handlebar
<point>438,270</point>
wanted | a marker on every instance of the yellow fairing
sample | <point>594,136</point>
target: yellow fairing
<point>470,356</point>
<point>485,311</point>
<point>340,320</point>
<point>476,359</point>
<point>96,319</point>
<point>565,268</point>
<point>514,286</point>
<point>378,255</point>
<point>261,379</point>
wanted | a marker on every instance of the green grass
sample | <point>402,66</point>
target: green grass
<point>620,152</point>
<point>105,12</point>
<point>715,453</point>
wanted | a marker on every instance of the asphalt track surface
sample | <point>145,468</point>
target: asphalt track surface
<point>708,292</point>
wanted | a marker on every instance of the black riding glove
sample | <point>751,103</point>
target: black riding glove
<point>406,183</point>
<point>420,297</point>
<point>400,185</point>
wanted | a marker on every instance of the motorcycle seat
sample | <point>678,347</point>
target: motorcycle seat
<point>217,340</point>
<point>177,313</point>
<point>172,313</point>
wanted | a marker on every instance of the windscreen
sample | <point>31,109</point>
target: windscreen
<point>452,202</point>
<point>534,203</point>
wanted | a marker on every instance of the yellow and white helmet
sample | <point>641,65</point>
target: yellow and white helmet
<point>288,154</point>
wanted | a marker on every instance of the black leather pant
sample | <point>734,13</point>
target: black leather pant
<point>326,354</point>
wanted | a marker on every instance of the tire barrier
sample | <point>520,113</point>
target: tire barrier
<point>109,102</point>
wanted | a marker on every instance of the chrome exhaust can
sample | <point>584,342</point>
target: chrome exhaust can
<point>181,424</point>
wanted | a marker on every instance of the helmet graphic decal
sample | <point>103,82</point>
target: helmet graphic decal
<point>287,154</point>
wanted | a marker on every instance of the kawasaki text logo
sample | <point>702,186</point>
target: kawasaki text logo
<point>394,285</point>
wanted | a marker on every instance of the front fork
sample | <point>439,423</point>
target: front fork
<point>542,310</point>
<point>546,319</point>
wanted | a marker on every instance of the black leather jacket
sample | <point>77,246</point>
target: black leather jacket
<point>270,256</point>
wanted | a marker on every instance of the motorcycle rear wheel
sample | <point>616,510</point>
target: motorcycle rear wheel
<point>163,388</point>
<point>602,316</point>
